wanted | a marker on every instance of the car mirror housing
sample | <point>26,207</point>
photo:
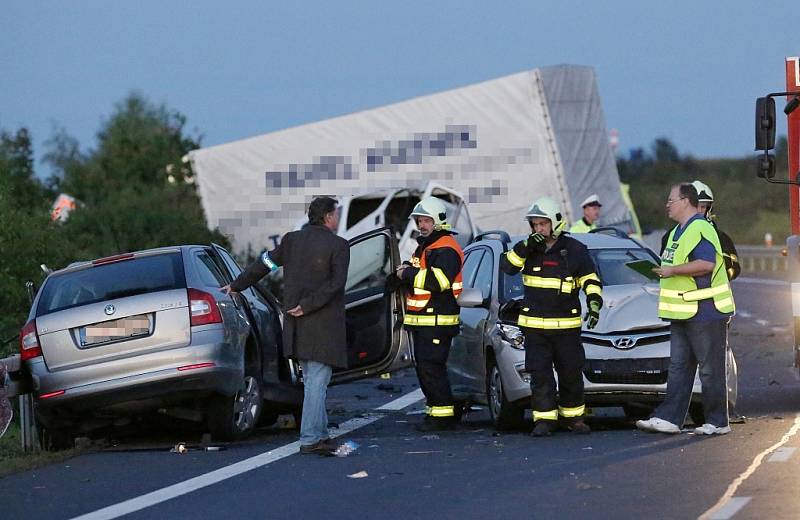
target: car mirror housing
<point>471,297</point>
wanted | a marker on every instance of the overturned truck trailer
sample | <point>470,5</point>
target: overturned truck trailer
<point>499,143</point>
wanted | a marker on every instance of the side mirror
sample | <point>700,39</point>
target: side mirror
<point>766,166</point>
<point>470,297</point>
<point>765,123</point>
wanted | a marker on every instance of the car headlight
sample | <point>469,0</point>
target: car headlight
<point>513,335</point>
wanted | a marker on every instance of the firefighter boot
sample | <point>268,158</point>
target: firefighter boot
<point>576,425</point>
<point>543,428</point>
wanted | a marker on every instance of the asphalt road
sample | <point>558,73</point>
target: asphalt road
<point>616,472</point>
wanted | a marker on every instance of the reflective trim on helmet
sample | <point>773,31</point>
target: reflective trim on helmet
<point>549,415</point>
<point>576,411</point>
<point>515,259</point>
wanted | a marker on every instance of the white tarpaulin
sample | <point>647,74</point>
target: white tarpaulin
<point>501,143</point>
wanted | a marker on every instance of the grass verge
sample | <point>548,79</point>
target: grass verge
<point>14,460</point>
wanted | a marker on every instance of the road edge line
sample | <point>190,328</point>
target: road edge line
<point>757,461</point>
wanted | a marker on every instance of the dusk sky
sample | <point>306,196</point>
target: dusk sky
<point>685,70</point>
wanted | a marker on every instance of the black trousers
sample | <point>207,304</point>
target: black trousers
<point>564,351</point>
<point>431,349</point>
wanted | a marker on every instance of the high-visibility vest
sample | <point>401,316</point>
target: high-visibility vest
<point>582,227</point>
<point>419,298</point>
<point>679,296</point>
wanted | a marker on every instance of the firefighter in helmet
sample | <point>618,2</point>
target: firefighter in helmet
<point>432,279</point>
<point>555,267</point>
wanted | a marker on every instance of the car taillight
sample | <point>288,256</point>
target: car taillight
<point>29,342</point>
<point>203,308</point>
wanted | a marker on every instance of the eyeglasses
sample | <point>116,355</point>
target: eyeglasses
<point>670,201</point>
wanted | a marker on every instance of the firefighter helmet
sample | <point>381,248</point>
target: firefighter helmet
<point>704,193</point>
<point>545,207</point>
<point>434,208</point>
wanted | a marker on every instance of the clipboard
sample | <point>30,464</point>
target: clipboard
<point>643,267</point>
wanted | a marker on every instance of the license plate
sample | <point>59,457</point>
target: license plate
<point>115,330</point>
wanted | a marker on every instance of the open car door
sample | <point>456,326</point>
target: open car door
<point>376,341</point>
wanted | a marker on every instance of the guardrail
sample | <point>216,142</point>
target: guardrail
<point>19,387</point>
<point>762,258</point>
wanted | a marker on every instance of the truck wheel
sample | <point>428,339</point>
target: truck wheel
<point>505,415</point>
<point>235,417</point>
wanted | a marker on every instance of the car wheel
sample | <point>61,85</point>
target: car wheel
<point>505,415</point>
<point>235,417</point>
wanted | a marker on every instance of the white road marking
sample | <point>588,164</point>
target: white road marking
<point>731,508</point>
<point>268,457</point>
<point>402,402</point>
<point>762,281</point>
<point>728,495</point>
<point>782,455</point>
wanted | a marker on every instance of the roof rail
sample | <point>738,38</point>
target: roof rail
<point>505,239</point>
<point>610,230</point>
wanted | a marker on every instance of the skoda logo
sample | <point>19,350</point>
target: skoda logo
<point>109,310</point>
<point>624,343</point>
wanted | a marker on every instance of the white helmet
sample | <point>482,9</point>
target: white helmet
<point>434,208</point>
<point>704,193</point>
<point>545,207</point>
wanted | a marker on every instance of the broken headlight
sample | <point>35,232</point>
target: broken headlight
<point>512,334</point>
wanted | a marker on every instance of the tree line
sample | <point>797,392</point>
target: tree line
<point>136,192</point>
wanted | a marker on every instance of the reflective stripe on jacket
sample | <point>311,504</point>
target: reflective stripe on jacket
<point>431,301</point>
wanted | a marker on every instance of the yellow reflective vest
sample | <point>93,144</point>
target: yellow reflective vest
<point>679,295</point>
<point>582,227</point>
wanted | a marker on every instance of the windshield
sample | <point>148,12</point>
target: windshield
<point>610,265</point>
<point>109,281</point>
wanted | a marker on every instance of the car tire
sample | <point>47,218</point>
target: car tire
<point>505,415</point>
<point>235,417</point>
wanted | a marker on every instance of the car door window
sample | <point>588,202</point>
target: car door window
<point>470,266</point>
<point>368,269</point>
<point>209,271</point>
<point>485,275</point>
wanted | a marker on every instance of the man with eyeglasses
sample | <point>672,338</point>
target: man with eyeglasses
<point>696,299</point>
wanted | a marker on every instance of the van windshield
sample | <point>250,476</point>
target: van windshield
<point>98,283</point>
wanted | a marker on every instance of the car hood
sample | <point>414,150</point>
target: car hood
<point>629,307</point>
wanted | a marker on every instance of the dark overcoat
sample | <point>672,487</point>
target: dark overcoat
<point>315,263</point>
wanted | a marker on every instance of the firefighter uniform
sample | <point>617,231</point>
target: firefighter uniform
<point>550,316</point>
<point>432,315</point>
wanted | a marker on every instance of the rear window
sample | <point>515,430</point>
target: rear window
<point>106,282</point>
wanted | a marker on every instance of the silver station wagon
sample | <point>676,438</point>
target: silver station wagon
<point>627,353</point>
<point>152,331</point>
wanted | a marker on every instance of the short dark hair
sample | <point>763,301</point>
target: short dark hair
<point>690,192</point>
<point>321,206</point>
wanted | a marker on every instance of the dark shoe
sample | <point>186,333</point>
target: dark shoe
<point>330,443</point>
<point>578,426</point>
<point>436,425</point>
<point>318,448</point>
<point>543,428</point>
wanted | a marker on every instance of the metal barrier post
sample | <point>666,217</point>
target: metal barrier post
<point>28,434</point>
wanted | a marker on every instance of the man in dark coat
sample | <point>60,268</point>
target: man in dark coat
<point>315,262</point>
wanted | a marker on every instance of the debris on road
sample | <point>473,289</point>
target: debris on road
<point>179,448</point>
<point>360,474</point>
<point>346,449</point>
<point>430,437</point>
<point>286,422</point>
